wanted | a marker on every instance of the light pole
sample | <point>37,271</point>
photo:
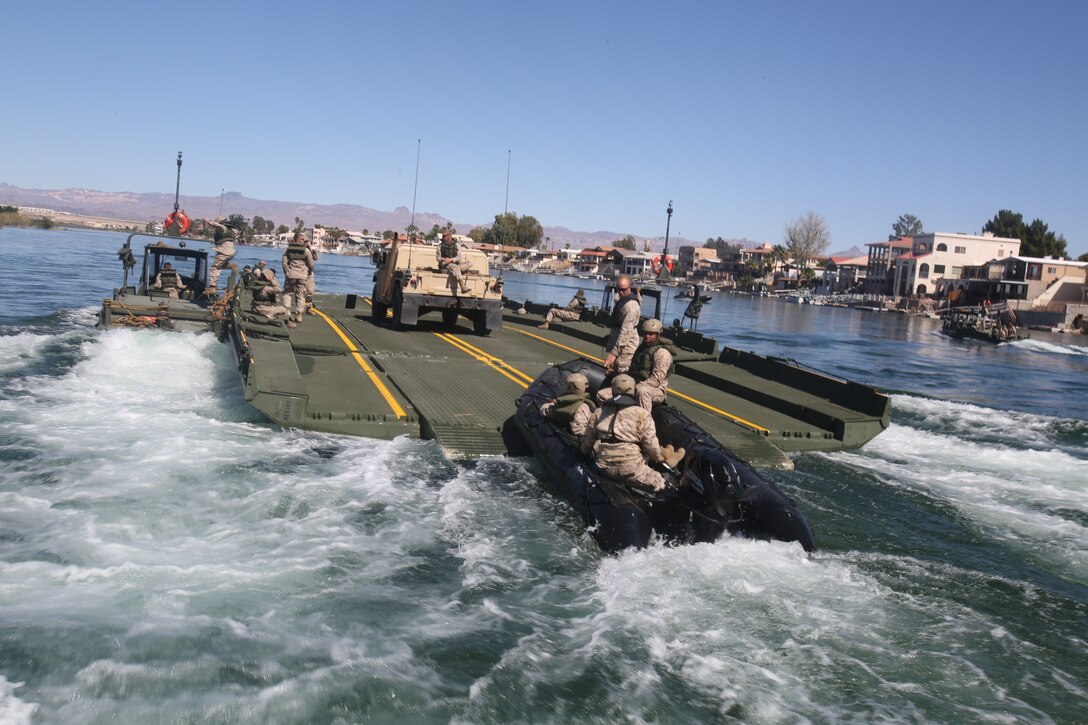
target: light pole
<point>221,192</point>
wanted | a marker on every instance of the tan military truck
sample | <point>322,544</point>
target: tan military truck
<point>409,283</point>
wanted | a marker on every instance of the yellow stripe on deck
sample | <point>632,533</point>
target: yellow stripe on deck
<point>497,364</point>
<point>374,378</point>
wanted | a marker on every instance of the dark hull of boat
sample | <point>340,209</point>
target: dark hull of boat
<point>711,492</point>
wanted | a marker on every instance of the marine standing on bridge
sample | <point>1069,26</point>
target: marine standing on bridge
<point>450,259</point>
<point>623,339</point>
<point>225,236</point>
<point>621,437</point>
<point>169,281</point>
<point>298,263</point>
<point>570,313</point>
<point>573,409</point>
<point>652,364</point>
<point>310,286</point>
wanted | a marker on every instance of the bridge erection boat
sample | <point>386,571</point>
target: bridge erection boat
<point>708,492</point>
<point>179,303</point>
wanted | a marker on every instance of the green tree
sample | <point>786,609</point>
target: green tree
<point>1036,239</point>
<point>282,229</point>
<point>806,237</point>
<point>433,234</point>
<point>627,242</point>
<point>779,256</point>
<point>907,225</point>
<point>530,232</point>
<point>43,222</point>
<point>1083,257</point>
<point>300,224</point>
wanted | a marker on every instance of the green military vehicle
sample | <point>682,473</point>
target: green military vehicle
<point>409,283</point>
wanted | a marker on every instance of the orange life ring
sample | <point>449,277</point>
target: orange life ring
<point>660,260</point>
<point>180,218</point>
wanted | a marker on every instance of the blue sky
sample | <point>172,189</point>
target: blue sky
<point>745,115</point>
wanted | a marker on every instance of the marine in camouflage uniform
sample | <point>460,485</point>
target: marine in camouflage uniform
<point>297,264</point>
<point>310,283</point>
<point>265,289</point>
<point>225,237</point>
<point>169,281</point>
<point>573,409</point>
<point>623,339</point>
<point>622,437</point>
<point>570,313</point>
<point>451,261</point>
<point>651,366</point>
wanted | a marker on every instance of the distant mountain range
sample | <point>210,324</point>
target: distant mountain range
<point>131,206</point>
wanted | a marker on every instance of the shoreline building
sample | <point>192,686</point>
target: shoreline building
<point>914,266</point>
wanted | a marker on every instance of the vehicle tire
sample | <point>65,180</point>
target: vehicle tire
<point>479,323</point>
<point>449,317</point>
<point>398,308</point>
<point>377,311</point>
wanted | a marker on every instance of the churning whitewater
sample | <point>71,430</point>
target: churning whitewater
<point>168,556</point>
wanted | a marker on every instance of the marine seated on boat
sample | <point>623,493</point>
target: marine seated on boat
<point>574,409</point>
<point>169,281</point>
<point>651,366</point>
<point>622,439</point>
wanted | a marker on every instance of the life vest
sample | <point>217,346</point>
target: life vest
<point>642,364</point>
<point>448,250</point>
<point>577,304</point>
<point>613,407</point>
<point>694,308</point>
<point>224,233</point>
<point>262,292</point>
<point>617,311</point>
<point>566,406</point>
<point>168,278</point>
<point>297,252</point>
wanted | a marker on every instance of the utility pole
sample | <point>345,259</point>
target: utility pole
<point>177,189</point>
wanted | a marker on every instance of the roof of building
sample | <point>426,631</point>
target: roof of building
<point>1051,260</point>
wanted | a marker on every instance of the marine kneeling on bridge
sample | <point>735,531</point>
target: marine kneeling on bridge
<point>265,290</point>
<point>622,439</point>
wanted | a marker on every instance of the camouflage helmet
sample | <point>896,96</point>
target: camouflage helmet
<point>577,383</point>
<point>580,293</point>
<point>652,325</point>
<point>623,385</point>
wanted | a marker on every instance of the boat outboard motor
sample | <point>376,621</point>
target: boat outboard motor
<point>749,504</point>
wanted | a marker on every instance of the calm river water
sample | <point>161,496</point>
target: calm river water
<point>168,556</point>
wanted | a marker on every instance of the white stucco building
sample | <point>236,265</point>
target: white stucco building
<point>937,256</point>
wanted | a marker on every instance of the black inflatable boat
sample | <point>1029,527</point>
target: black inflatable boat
<point>710,491</point>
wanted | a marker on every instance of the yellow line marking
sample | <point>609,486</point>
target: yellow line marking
<point>374,378</point>
<point>719,411</point>
<point>678,394</point>
<point>489,356</point>
<point>556,344</point>
<point>485,359</point>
